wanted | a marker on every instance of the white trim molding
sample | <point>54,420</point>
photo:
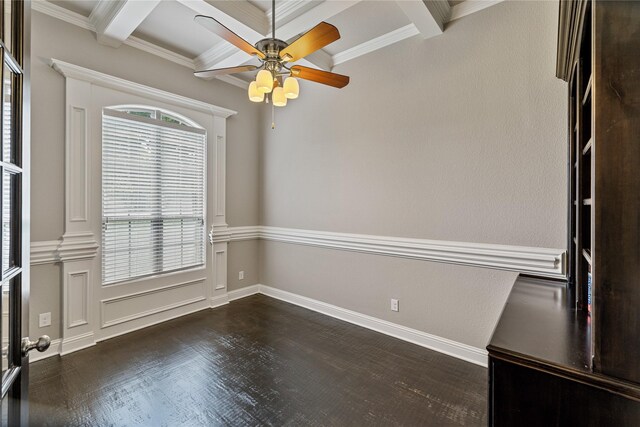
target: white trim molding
<point>53,350</point>
<point>45,252</point>
<point>372,45</point>
<point>70,248</point>
<point>105,80</point>
<point>92,312</point>
<point>234,234</point>
<point>247,291</point>
<point>296,15</point>
<point>468,7</point>
<point>423,339</point>
<point>537,261</point>
<point>433,342</point>
<point>76,343</point>
<point>117,315</point>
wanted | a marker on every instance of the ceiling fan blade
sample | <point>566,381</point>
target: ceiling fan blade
<point>319,76</point>
<point>209,74</point>
<point>314,39</point>
<point>220,30</point>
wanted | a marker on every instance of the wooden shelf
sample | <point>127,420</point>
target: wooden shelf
<point>586,202</point>
<point>586,253</point>
<point>587,91</point>
<point>587,147</point>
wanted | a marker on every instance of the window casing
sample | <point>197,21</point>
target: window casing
<point>153,193</point>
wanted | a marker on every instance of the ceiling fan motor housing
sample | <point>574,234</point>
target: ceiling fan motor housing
<point>271,48</point>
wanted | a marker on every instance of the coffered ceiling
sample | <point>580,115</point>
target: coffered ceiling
<point>166,27</point>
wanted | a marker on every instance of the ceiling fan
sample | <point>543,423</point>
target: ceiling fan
<point>274,55</point>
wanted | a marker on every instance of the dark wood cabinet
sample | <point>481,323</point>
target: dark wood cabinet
<point>599,56</point>
<point>568,353</point>
<point>540,371</point>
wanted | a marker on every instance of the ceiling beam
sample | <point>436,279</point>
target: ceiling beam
<point>374,44</point>
<point>458,11</point>
<point>309,19</point>
<point>287,10</point>
<point>428,16</point>
<point>223,53</point>
<point>115,21</point>
<point>219,56</point>
<point>468,7</point>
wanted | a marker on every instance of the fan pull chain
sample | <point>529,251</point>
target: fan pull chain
<point>273,116</point>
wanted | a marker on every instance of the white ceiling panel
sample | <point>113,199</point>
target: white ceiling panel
<point>83,7</point>
<point>171,26</point>
<point>365,21</point>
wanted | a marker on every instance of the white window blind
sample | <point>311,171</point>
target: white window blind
<point>153,195</point>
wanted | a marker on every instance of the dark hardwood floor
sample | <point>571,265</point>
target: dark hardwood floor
<point>256,361</point>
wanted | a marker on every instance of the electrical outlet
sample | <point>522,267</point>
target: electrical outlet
<point>45,320</point>
<point>241,275</point>
<point>394,305</point>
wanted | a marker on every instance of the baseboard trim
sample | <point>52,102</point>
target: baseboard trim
<point>53,350</point>
<point>218,301</point>
<point>76,343</point>
<point>243,292</point>
<point>433,342</point>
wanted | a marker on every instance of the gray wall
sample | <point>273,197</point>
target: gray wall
<point>459,137</point>
<point>53,38</point>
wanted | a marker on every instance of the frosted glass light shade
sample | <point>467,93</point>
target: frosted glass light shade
<point>278,98</point>
<point>254,94</point>
<point>264,81</point>
<point>291,88</point>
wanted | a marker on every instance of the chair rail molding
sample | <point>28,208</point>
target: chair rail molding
<point>87,92</point>
<point>537,261</point>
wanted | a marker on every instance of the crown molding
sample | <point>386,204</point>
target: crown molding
<point>372,45</point>
<point>156,50</point>
<point>468,7</point>
<point>78,20</point>
<point>62,14</point>
<point>218,52</point>
<point>235,81</point>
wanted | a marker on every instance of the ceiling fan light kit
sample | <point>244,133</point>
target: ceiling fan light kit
<point>264,81</point>
<point>254,94</point>
<point>276,81</point>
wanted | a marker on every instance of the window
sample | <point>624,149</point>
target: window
<point>153,193</point>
